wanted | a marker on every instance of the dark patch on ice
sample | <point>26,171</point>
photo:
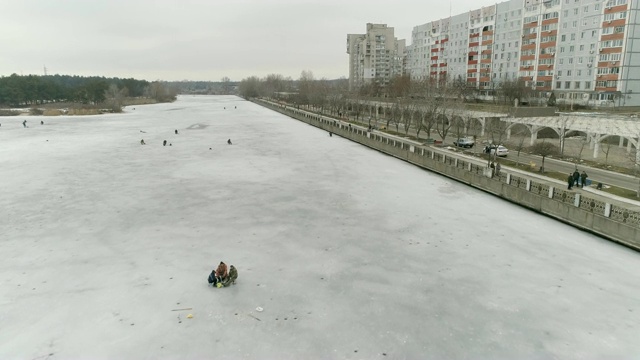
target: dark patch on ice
<point>198,127</point>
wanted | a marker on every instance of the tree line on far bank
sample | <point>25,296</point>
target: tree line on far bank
<point>31,90</point>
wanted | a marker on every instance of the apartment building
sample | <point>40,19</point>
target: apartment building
<point>582,50</point>
<point>376,56</point>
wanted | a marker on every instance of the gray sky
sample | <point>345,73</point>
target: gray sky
<point>198,39</point>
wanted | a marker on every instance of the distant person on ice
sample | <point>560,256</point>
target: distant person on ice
<point>142,142</point>
<point>41,122</point>
<point>24,123</point>
<point>164,143</point>
<point>229,141</point>
<point>176,131</point>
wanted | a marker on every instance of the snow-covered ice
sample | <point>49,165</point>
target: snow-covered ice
<point>351,254</point>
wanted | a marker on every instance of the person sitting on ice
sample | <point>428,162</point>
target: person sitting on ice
<point>229,141</point>
<point>142,142</point>
<point>218,275</point>
<point>231,279</point>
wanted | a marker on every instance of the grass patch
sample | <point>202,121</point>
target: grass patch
<point>84,112</point>
<point>625,193</point>
<point>9,113</point>
<point>138,101</point>
<point>52,112</point>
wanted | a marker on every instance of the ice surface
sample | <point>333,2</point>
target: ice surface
<point>352,254</point>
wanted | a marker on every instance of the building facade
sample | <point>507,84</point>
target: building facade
<point>376,56</point>
<point>584,51</point>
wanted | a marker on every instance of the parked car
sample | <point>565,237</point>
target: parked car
<point>499,150</point>
<point>464,142</point>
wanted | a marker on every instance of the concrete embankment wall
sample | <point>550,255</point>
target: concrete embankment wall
<point>614,222</point>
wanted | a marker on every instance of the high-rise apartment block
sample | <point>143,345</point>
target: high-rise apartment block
<point>376,56</point>
<point>584,51</point>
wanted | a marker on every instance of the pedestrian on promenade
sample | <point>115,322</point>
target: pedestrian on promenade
<point>498,167</point>
<point>583,178</point>
<point>569,181</point>
<point>576,177</point>
<point>493,169</point>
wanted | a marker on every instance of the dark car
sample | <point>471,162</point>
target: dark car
<point>464,142</point>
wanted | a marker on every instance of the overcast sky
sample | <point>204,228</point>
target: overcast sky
<point>198,39</point>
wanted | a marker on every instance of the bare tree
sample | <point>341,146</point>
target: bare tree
<point>496,131</point>
<point>634,158</point>
<point>565,123</point>
<point>510,90</point>
<point>275,83</point>
<point>250,87</point>
<point>305,87</point>
<point>114,97</point>
<point>544,149</point>
<point>226,85</point>
<point>394,118</point>
<point>418,121</point>
<point>521,133</point>
<point>606,149</point>
<point>584,141</point>
<point>400,86</point>
<point>408,110</point>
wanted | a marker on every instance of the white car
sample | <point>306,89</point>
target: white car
<point>499,150</point>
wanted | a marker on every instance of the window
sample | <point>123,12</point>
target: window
<point>567,84</point>
<point>576,85</point>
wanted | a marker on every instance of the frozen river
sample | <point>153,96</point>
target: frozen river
<point>351,254</point>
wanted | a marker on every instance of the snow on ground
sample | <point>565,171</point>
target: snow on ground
<point>352,254</point>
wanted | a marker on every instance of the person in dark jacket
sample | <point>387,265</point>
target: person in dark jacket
<point>569,182</point>
<point>583,178</point>
<point>231,279</point>
<point>576,177</point>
